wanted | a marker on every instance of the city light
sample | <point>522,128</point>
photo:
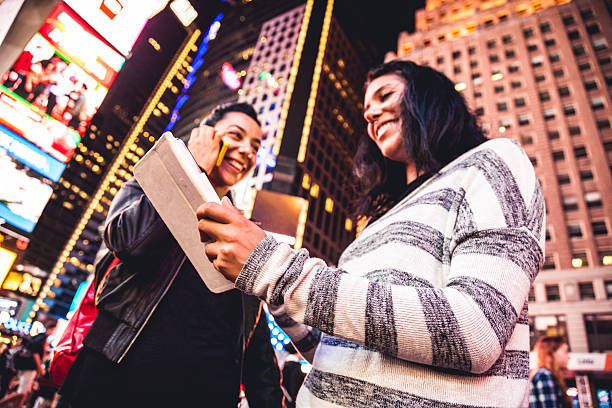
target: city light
<point>576,262</point>
<point>460,86</point>
<point>184,11</point>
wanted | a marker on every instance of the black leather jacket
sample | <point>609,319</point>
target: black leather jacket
<point>130,292</point>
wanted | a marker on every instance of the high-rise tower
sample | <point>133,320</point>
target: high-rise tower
<point>540,72</point>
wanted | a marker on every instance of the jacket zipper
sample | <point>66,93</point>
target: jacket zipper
<point>151,312</point>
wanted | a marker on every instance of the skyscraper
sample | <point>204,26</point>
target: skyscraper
<point>540,72</point>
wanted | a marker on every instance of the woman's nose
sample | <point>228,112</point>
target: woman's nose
<point>371,114</point>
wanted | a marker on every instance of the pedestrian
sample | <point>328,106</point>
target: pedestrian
<point>548,388</point>
<point>161,338</point>
<point>428,306</point>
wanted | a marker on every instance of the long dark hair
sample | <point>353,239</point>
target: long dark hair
<point>437,127</point>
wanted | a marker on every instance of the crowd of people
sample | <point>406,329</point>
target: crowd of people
<point>430,297</point>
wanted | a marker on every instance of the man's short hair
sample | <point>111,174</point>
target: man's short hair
<point>220,111</point>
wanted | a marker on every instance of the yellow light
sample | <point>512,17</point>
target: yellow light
<point>502,129</point>
<point>6,262</point>
<point>299,234</point>
<point>497,76</point>
<point>315,81</point>
<point>314,190</point>
<point>329,205</point>
<point>576,262</point>
<point>306,181</point>
<point>292,76</point>
<point>460,86</point>
<point>348,224</point>
<point>607,260</point>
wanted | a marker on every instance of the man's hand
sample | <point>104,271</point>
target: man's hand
<point>234,237</point>
<point>204,146</point>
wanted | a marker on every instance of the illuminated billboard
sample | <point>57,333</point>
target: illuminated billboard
<point>47,100</point>
<point>118,21</point>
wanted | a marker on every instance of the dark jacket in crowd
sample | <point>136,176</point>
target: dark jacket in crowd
<point>129,295</point>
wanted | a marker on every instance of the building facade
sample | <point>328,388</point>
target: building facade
<point>540,72</point>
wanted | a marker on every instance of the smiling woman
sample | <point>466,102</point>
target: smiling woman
<point>428,306</point>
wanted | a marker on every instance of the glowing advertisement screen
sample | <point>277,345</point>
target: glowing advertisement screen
<point>47,100</point>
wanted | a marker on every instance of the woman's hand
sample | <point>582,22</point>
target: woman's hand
<point>233,236</point>
<point>204,146</point>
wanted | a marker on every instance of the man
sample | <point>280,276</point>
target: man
<point>161,338</point>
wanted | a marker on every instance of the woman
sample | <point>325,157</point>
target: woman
<point>428,306</point>
<point>548,388</point>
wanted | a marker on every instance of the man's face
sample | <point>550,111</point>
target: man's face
<point>243,137</point>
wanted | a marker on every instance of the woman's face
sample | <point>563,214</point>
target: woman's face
<point>243,137</point>
<point>383,112</point>
<point>562,356</point>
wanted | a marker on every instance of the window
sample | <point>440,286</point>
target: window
<point>532,47</point>
<point>593,29</point>
<point>604,60</point>
<point>563,91</point>
<point>563,179</point>
<point>584,67</point>
<point>502,106</point>
<point>537,61</point>
<point>587,14</point>
<point>597,103</point>
<point>586,175</point>
<point>600,44</point>
<point>526,140</point>
<point>512,68</point>
<point>603,124</point>
<point>549,42</point>
<point>546,325</point>
<point>590,84</point>
<point>545,27</point>
<point>510,54</point>
<point>493,58</point>
<point>573,35</point>
<point>515,84</point>
<point>578,50</point>
<point>507,39</point>
<point>531,296</point>
<point>491,44</point>
<point>569,110</point>
<point>477,94</point>
<point>498,89</point>
<point>439,60</point>
<point>549,114</point>
<point>586,290</point>
<point>609,79</point>
<point>580,152</point>
<point>593,199</point>
<point>549,261</point>
<point>574,130</point>
<point>570,203</point>
<point>524,119</point>
<point>558,155</point>
<point>527,33</point>
<point>479,111</point>
<point>552,293</point>
<point>471,50</point>
<point>574,231</point>
<point>553,135</point>
<point>568,20</point>
<point>599,331</point>
<point>608,285</point>
<point>544,96</point>
<point>554,57</point>
<point>518,102</point>
<point>457,69</point>
<point>540,78</point>
<point>558,73</point>
<point>534,162</point>
<point>473,64</point>
<point>599,228</point>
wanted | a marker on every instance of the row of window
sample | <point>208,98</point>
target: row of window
<point>586,291</point>
<point>598,328</point>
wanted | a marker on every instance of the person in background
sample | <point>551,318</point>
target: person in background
<point>548,388</point>
<point>161,338</point>
<point>428,306</point>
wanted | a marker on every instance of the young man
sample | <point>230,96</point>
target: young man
<point>161,338</point>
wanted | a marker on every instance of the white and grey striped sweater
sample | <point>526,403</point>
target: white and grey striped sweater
<point>428,306</point>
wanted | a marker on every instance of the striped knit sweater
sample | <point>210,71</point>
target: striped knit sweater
<point>428,306</point>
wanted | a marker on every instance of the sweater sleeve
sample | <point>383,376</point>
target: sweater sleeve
<point>464,324</point>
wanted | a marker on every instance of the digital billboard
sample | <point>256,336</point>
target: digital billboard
<point>47,100</point>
